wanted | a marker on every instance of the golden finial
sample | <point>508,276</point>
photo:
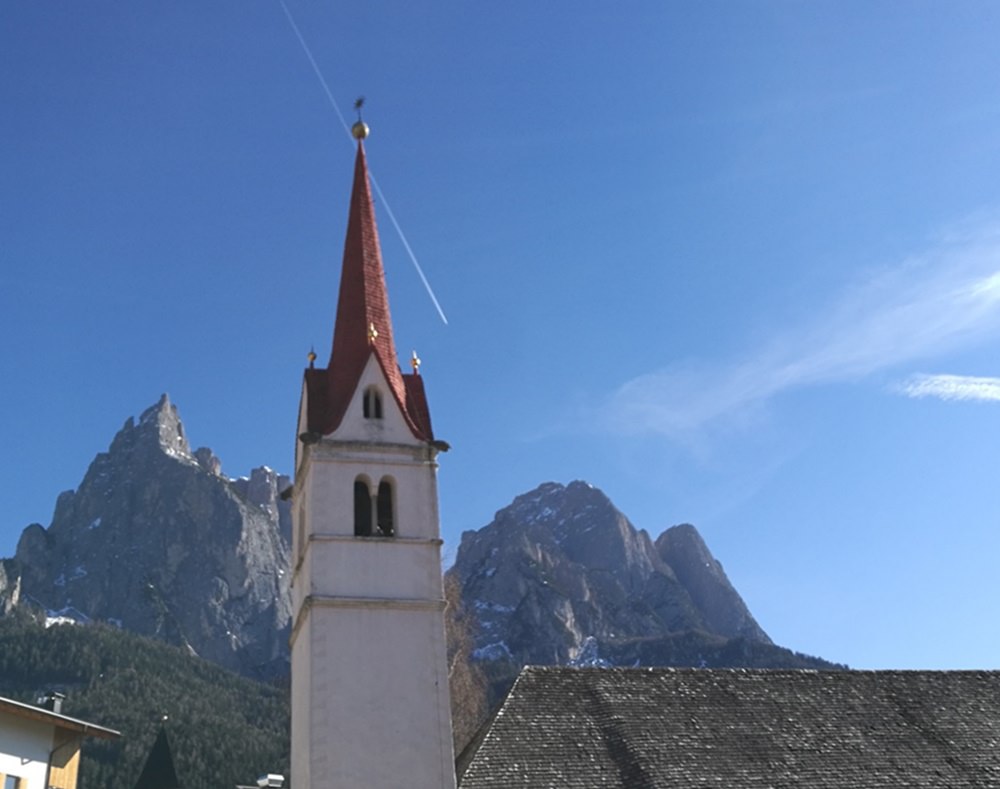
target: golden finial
<point>311,357</point>
<point>360,129</point>
<point>415,363</point>
<point>372,333</point>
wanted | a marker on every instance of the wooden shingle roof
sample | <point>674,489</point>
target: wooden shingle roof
<point>659,727</point>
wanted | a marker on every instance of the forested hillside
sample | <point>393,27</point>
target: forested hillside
<point>224,729</point>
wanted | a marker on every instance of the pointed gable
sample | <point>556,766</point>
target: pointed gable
<point>159,772</point>
<point>363,326</point>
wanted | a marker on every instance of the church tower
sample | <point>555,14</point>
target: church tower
<point>370,703</point>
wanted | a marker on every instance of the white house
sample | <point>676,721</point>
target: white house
<point>40,748</point>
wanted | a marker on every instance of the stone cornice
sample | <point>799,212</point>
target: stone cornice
<point>433,542</point>
<point>331,449</point>
<point>326,601</point>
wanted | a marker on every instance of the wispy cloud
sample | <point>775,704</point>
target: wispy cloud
<point>951,387</point>
<point>943,299</point>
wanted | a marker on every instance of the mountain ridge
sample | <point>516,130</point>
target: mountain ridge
<point>574,541</point>
<point>157,541</point>
<point>561,576</point>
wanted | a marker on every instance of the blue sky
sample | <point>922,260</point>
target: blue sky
<point>736,264</point>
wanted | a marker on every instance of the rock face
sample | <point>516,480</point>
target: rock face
<point>722,609</point>
<point>561,577</point>
<point>562,564</point>
<point>157,541</point>
<point>10,586</point>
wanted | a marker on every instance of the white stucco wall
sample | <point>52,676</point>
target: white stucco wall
<point>370,702</point>
<point>407,569</point>
<point>24,749</point>
<point>379,713</point>
<point>329,490</point>
<point>391,428</point>
<point>301,707</point>
<point>375,448</point>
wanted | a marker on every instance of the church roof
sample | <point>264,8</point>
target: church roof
<point>159,772</point>
<point>363,326</point>
<point>657,727</point>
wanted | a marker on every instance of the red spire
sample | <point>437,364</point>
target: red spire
<point>363,324</point>
<point>363,303</point>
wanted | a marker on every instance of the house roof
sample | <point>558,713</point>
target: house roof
<point>31,712</point>
<point>659,727</point>
<point>363,326</point>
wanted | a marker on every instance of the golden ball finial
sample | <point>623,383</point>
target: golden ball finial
<point>415,363</point>
<point>311,357</point>
<point>360,129</point>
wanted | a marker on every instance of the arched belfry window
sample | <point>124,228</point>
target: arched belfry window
<point>384,509</point>
<point>372,404</point>
<point>374,515</point>
<point>362,508</point>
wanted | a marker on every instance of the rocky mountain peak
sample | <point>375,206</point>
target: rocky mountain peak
<point>156,540</point>
<point>559,565</point>
<point>562,576</point>
<point>683,549</point>
<point>164,418</point>
<point>160,428</point>
<point>263,488</point>
<point>579,522</point>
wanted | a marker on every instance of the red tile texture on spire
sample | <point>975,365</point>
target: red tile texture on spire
<point>363,305</point>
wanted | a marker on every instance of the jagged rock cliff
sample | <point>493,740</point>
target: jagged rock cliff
<point>10,586</point>
<point>562,577</point>
<point>158,541</point>
<point>720,605</point>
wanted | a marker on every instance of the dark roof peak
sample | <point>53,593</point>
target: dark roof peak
<point>159,772</point>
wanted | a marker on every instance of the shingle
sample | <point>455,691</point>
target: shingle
<point>742,728</point>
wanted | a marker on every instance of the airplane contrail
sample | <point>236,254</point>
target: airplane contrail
<point>378,189</point>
